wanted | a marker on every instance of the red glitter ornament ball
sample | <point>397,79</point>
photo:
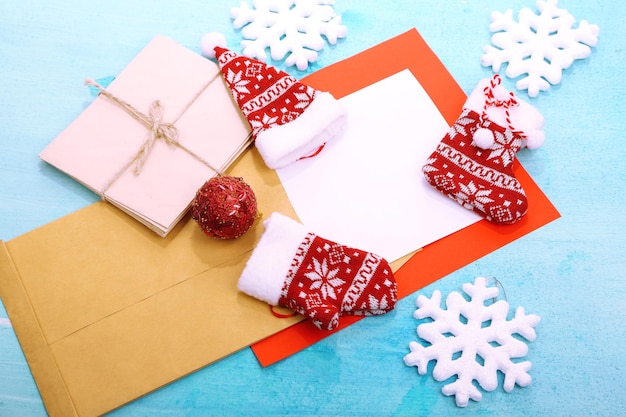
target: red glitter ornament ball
<point>224,207</point>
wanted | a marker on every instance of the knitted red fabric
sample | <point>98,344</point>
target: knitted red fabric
<point>266,95</point>
<point>479,179</point>
<point>327,279</point>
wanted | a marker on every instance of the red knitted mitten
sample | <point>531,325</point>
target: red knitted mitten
<point>316,277</point>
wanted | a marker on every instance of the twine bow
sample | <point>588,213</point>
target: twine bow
<point>157,130</point>
<point>492,101</point>
<point>153,121</point>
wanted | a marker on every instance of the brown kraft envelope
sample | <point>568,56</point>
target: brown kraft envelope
<point>106,310</point>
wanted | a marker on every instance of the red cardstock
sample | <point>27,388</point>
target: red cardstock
<point>409,50</point>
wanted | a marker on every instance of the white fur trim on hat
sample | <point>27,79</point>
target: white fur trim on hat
<point>322,120</point>
<point>268,266</point>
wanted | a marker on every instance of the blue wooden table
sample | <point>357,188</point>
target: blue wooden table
<point>571,272</point>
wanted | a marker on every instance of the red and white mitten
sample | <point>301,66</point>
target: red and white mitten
<point>320,279</point>
<point>473,163</point>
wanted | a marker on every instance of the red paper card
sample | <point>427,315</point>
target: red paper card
<point>434,261</point>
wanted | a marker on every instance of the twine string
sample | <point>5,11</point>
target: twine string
<point>157,130</point>
<point>492,101</point>
<point>498,285</point>
<point>166,132</point>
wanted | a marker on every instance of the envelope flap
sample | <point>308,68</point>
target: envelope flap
<point>87,266</point>
<point>162,338</point>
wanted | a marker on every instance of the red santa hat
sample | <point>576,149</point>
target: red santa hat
<point>289,119</point>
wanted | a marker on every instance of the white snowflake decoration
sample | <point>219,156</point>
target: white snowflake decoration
<point>293,27</point>
<point>541,46</point>
<point>476,349</point>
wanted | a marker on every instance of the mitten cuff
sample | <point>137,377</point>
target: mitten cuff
<point>265,272</point>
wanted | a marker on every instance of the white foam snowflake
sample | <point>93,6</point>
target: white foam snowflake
<point>293,27</point>
<point>540,46</point>
<point>473,341</point>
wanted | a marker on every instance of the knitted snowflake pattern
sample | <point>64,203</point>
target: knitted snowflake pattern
<point>292,28</point>
<point>539,46</point>
<point>472,340</point>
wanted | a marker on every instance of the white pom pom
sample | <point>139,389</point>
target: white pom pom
<point>483,138</point>
<point>210,41</point>
<point>534,139</point>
